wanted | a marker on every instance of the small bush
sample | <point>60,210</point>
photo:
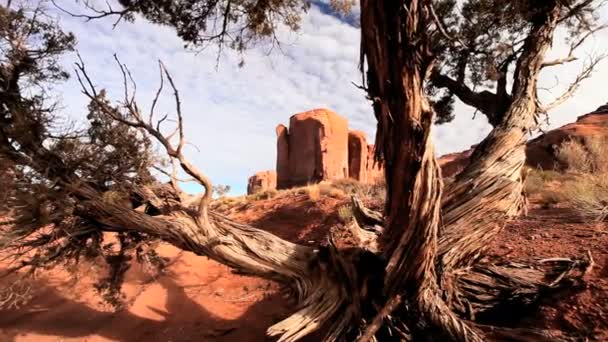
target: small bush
<point>586,156</point>
<point>263,195</point>
<point>371,194</point>
<point>537,180</point>
<point>313,192</point>
<point>588,194</point>
<point>550,198</point>
<point>345,213</point>
<point>588,191</point>
<point>328,189</point>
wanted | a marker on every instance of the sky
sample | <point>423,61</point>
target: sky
<point>231,112</point>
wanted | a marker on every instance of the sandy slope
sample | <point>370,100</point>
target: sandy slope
<point>200,300</point>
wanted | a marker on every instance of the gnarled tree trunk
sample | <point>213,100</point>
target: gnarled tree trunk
<point>419,275</point>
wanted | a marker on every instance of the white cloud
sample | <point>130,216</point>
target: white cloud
<point>231,112</point>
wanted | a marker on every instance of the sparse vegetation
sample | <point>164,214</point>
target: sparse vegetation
<point>221,190</point>
<point>587,156</point>
<point>418,287</point>
<point>263,195</point>
<point>587,191</point>
<point>588,194</point>
<point>373,195</point>
<point>345,213</point>
<point>541,185</point>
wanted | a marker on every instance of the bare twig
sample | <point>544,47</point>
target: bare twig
<point>135,120</point>
<point>573,87</point>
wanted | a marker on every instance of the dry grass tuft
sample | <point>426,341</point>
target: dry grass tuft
<point>263,195</point>
<point>345,213</point>
<point>587,156</point>
<point>587,192</point>
<point>538,181</point>
<point>313,192</point>
<point>373,195</point>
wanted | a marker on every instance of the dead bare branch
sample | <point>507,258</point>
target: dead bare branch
<point>585,73</point>
<point>132,111</point>
<point>573,47</point>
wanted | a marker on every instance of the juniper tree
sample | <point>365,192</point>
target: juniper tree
<point>420,277</point>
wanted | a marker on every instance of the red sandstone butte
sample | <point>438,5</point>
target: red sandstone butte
<point>317,148</point>
<point>262,181</point>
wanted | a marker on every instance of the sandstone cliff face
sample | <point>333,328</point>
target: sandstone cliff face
<point>282,157</point>
<point>361,164</point>
<point>314,148</point>
<point>319,149</point>
<point>541,151</point>
<point>262,181</point>
<point>357,155</point>
<point>318,146</point>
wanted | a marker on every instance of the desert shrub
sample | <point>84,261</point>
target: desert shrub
<point>263,195</point>
<point>537,180</point>
<point>588,155</point>
<point>330,190</point>
<point>598,152</point>
<point>549,198</point>
<point>345,213</point>
<point>588,194</point>
<point>221,190</point>
<point>313,192</point>
<point>372,194</point>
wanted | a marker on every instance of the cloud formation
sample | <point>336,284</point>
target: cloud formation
<point>231,112</point>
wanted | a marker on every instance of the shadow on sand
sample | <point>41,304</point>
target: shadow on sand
<point>50,313</point>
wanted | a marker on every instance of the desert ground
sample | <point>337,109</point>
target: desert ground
<point>197,299</point>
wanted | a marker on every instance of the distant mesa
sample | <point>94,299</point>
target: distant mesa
<point>262,181</point>
<point>541,151</point>
<point>316,147</point>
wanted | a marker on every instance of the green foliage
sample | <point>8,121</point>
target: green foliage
<point>235,23</point>
<point>46,159</point>
<point>486,41</point>
<point>221,190</point>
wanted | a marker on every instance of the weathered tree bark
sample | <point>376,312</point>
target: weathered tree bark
<point>421,266</point>
<point>394,44</point>
<point>489,191</point>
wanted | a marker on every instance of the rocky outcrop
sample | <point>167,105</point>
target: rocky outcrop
<point>316,143</point>
<point>357,155</point>
<point>541,151</point>
<point>262,181</point>
<point>282,157</point>
<point>361,165</point>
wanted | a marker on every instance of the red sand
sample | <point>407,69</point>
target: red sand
<point>200,300</point>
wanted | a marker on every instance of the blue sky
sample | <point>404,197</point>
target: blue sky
<point>231,112</point>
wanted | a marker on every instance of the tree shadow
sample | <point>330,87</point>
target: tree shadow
<point>50,313</point>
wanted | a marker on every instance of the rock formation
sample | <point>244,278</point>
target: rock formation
<point>314,148</point>
<point>317,146</point>
<point>262,181</point>
<point>541,151</point>
<point>361,165</point>
<point>282,157</point>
